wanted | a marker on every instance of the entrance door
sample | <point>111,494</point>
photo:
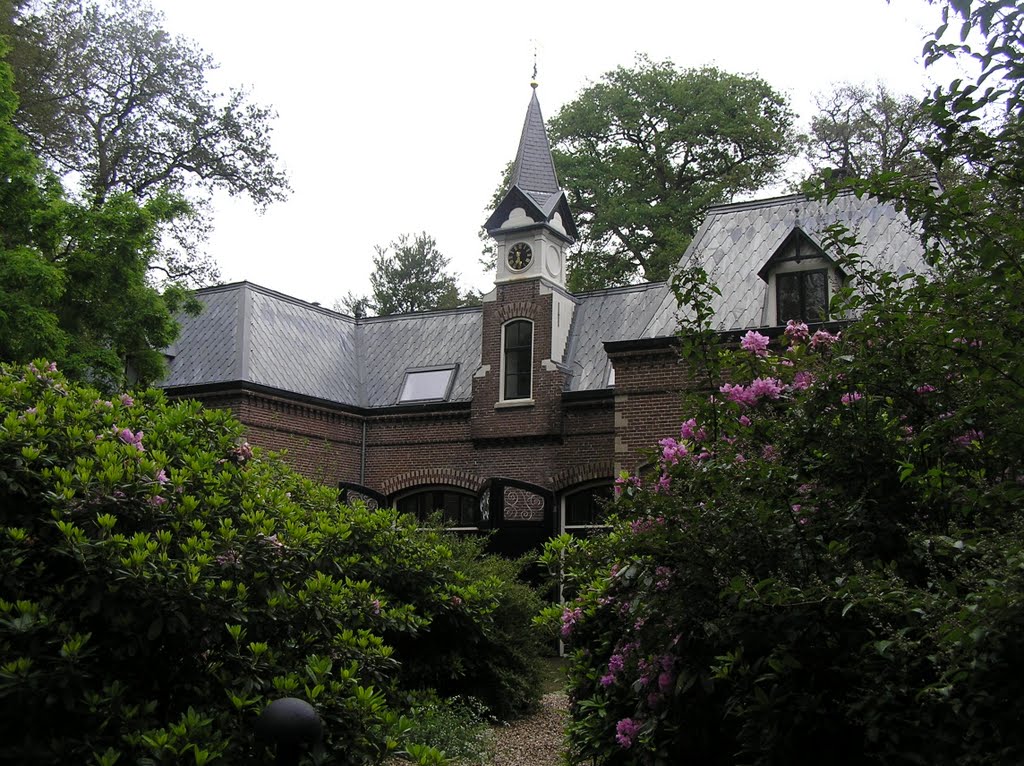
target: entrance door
<point>521,514</point>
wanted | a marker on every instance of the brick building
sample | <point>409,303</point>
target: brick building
<point>516,415</point>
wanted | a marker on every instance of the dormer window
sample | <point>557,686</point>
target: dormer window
<point>801,295</point>
<point>517,360</point>
<point>801,278</point>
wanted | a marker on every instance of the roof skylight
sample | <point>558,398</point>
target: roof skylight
<point>427,385</point>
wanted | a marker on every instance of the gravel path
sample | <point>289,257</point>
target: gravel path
<point>534,741</point>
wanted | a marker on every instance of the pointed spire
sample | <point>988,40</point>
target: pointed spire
<point>534,171</point>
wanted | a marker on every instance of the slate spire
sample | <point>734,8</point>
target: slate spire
<point>534,187</point>
<point>534,170</point>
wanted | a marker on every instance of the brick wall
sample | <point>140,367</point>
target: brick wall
<point>648,402</point>
<point>542,418</point>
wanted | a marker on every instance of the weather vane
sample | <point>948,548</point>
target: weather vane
<point>533,82</point>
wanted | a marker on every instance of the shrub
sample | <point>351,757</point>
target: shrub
<point>160,583</point>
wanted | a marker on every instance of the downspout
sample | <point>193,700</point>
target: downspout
<point>362,457</point>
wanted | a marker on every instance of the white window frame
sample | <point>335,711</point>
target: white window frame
<point>452,370</point>
<point>520,401</point>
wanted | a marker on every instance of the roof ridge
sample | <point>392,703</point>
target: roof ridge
<point>782,199</point>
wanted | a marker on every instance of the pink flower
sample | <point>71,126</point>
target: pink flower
<point>796,331</point>
<point>616,663</point>
<point>739,394</point>
<point>927,388</point>
<point>671,450</point>
<point>607,680</point>
<point>769,453</point>
<point>228,558</point>
<point>128,437</point>
<point>625,732</point>
<point>157,501</point>
<point>375,605</point>
<point>823,339</point>
<point>689,430</point>
<point>850,398</point>
<point>766,388</point>
<point>126,400</point>
<point>456,601</point>
<point>755,343</point>
<point>161,477</point>
<point>665,681</point>
<point>968,438</point>
<point>569,618</point>
<point>802,380</point>
<point>664,484</point>
<point>745,421</point>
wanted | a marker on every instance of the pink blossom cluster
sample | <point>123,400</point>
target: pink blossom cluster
<point>672,451</point>
<point>755,343</point>
<point>796,331</point>
<point>689,430</point>
<point>626,731</point>
<point>569,619</point>
<point>126,435</point>
<point>851,397</point>
<point>625,484</point>
<point>969,437</point>
<point>823,339</point>
<point>748,396</point>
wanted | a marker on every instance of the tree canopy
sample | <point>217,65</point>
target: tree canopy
<point>644,151</point>
<point>410,274</point>
<point>73,284</point>
<point>106,94</point>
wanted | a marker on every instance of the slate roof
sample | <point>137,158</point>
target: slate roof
<point>534,170</point>
<point>622,313</point>
<point>249,334</point>
<point>735,241</point>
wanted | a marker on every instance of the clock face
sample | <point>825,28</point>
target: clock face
<point>519,256</point>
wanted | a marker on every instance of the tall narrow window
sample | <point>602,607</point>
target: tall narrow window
<point>802,295</point>
<point>518,359</point>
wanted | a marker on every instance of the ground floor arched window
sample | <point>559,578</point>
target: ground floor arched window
<point>458,507</point>
<point>584,508</point>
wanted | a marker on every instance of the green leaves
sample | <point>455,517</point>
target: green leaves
<point>643,152</point>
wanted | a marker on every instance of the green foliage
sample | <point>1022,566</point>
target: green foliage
<point>73,278</point>
<point>861,131</point>
<point>643,152</point>
<point>160,584</point>
<point>827,564</point>
<point>457,727</point>
<point>410,276</point>
<point>109,96</point>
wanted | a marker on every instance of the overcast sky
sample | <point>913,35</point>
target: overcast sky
<point>399,116</point>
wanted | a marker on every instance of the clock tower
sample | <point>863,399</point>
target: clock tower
<point>532,226</point>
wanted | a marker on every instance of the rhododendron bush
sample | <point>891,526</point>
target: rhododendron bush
<point>161,581</point>
<point>826,565</point>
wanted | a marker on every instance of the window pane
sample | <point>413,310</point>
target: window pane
<point>455,507</point>
<point>587,507</point>
<point>518,359</point>
<point>788,297</point>
<point>429,384</point>
<point>815,296</point>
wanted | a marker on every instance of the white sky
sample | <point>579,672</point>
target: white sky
<point>399,116</point>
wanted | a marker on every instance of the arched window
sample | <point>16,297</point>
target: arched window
<point>584,507</point>
<point>457,507</point>
<point>517,360</point>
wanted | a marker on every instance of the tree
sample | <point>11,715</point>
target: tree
<point>109,96</point>
<point>409,275</point>
<point>73,277</point>
<point>643,152</point>
<point>860,131</point>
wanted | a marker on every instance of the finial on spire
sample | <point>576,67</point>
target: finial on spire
<point>533,81</point>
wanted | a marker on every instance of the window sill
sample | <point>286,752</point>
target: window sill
<point>511,403</point>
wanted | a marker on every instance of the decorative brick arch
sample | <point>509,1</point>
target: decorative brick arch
<point>446,477</point>
<point>582,473</point>
<point>516,310</point>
